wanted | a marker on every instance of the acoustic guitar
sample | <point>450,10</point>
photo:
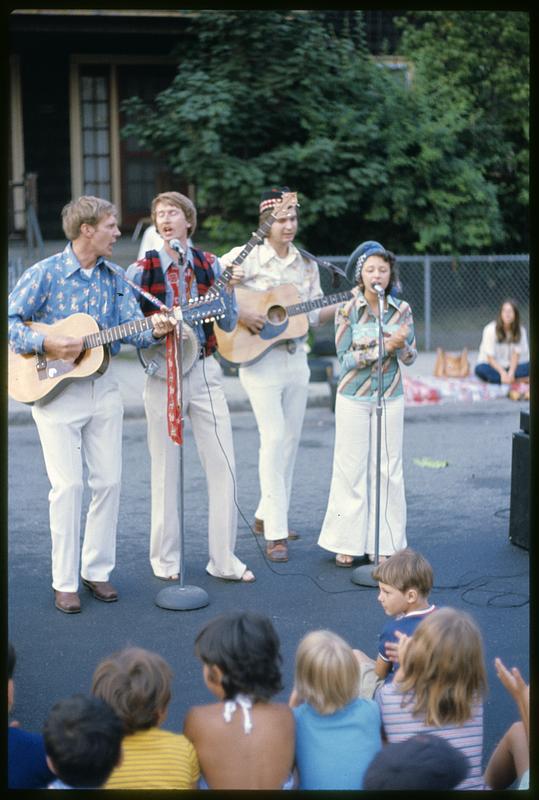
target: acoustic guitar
<point>34,376</point>
<point>285,316</point>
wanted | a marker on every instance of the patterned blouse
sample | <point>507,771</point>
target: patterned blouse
<point>356,341</point>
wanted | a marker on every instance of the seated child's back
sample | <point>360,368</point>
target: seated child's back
<point>244,741</point>
<point>136,683</point>
<point>337,733</point>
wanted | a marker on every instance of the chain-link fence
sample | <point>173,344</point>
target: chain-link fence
<point>453,298</point>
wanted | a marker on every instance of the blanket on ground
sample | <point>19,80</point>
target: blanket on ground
<point>428,389</point>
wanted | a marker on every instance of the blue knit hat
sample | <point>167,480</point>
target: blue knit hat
<point>359,256</point>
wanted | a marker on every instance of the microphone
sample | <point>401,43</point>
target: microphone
<point>375,287</point>
<point>176,245</point>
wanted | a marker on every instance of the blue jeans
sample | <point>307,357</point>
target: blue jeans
<point>489,374</point>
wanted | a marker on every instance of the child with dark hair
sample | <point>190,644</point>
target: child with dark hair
<point>243,741</point>
<point>405,581</point>
<point>136,683</point>
<point>83,741</point>
<point>423,761</point>
<point>26,761</point>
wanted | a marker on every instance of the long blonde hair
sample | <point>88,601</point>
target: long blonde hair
<point>443,668</point>
<point>327,672</point>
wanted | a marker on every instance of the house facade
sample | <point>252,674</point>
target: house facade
<point>69,72</point>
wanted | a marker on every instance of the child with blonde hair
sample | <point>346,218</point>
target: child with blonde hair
<point>337,733</point>
<point>439,688</point>
<point>136,684</point>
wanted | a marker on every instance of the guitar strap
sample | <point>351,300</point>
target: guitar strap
<point>327,265</point>
<point>174,410</point>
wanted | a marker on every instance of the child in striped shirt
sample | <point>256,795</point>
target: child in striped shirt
<point>136,683</point>
<point>439,688</point>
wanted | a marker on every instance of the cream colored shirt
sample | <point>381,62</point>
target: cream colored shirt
<point>264,270</point>
<point>502,351</point>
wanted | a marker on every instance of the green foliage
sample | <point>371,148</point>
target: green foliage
<point>279,97</point>
<point>474,66</point>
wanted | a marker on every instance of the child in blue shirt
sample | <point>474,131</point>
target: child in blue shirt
<point>337,733</point>
<point>405,581</point>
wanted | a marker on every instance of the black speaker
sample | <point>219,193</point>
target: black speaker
<point>519,516</point>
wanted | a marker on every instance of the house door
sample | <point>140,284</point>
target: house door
<point>143,174</point>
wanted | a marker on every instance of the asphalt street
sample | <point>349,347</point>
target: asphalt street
<point>458,517</point>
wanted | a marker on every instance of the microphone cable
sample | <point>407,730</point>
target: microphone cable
<point>248,524</point>
<point>468,586</point>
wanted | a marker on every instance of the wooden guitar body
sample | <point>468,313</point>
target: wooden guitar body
<point>240,346</point>
<point>31,377</point>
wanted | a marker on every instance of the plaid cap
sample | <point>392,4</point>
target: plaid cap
<point>359,256</point>
<point>270,196</point>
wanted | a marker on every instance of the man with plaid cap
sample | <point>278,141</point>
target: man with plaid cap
<point>277,384</point>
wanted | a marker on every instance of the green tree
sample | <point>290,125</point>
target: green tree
<point>471,73</point>
<point>282,97</point>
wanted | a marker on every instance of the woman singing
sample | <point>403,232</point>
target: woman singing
<point>349,525</point>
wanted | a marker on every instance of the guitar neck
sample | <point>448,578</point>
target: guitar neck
<point>109,335</point>
<point>321,302</point>
<point>255,239</point>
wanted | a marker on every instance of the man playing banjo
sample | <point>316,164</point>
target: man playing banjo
<point>180,267</point>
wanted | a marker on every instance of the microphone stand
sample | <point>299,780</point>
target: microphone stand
<point>181,597</point>
<point>363,575</point>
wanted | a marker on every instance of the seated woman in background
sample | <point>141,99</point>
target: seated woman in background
<point>503,353</point>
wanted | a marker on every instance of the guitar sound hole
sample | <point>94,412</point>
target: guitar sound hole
<point>276,314</point>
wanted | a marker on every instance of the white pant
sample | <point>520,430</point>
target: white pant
<point>277,387</point>
<point>349,524</point>
<point>82,424</point>
<point>165,460</point>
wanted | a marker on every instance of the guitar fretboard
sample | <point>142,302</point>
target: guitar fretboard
<point>321,302</point>
<point>110,335</point>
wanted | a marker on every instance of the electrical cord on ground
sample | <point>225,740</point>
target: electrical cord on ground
<point>248,524</point>
<point>470,586</point>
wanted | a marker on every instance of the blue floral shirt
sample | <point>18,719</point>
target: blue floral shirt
<point>57,287</point>
<point>356,341</point>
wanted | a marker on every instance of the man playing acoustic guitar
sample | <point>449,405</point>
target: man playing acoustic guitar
<point>277,382</point>
<point>84,421</point>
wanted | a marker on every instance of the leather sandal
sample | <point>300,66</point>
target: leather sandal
<point>277,550</point>
<point>342,560</point>
<point>258,528</point>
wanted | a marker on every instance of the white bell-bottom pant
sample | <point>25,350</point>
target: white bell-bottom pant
<point>82,425</point>
<point>219,469</point>
<point>277,387</point>
<point>349,523</point>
